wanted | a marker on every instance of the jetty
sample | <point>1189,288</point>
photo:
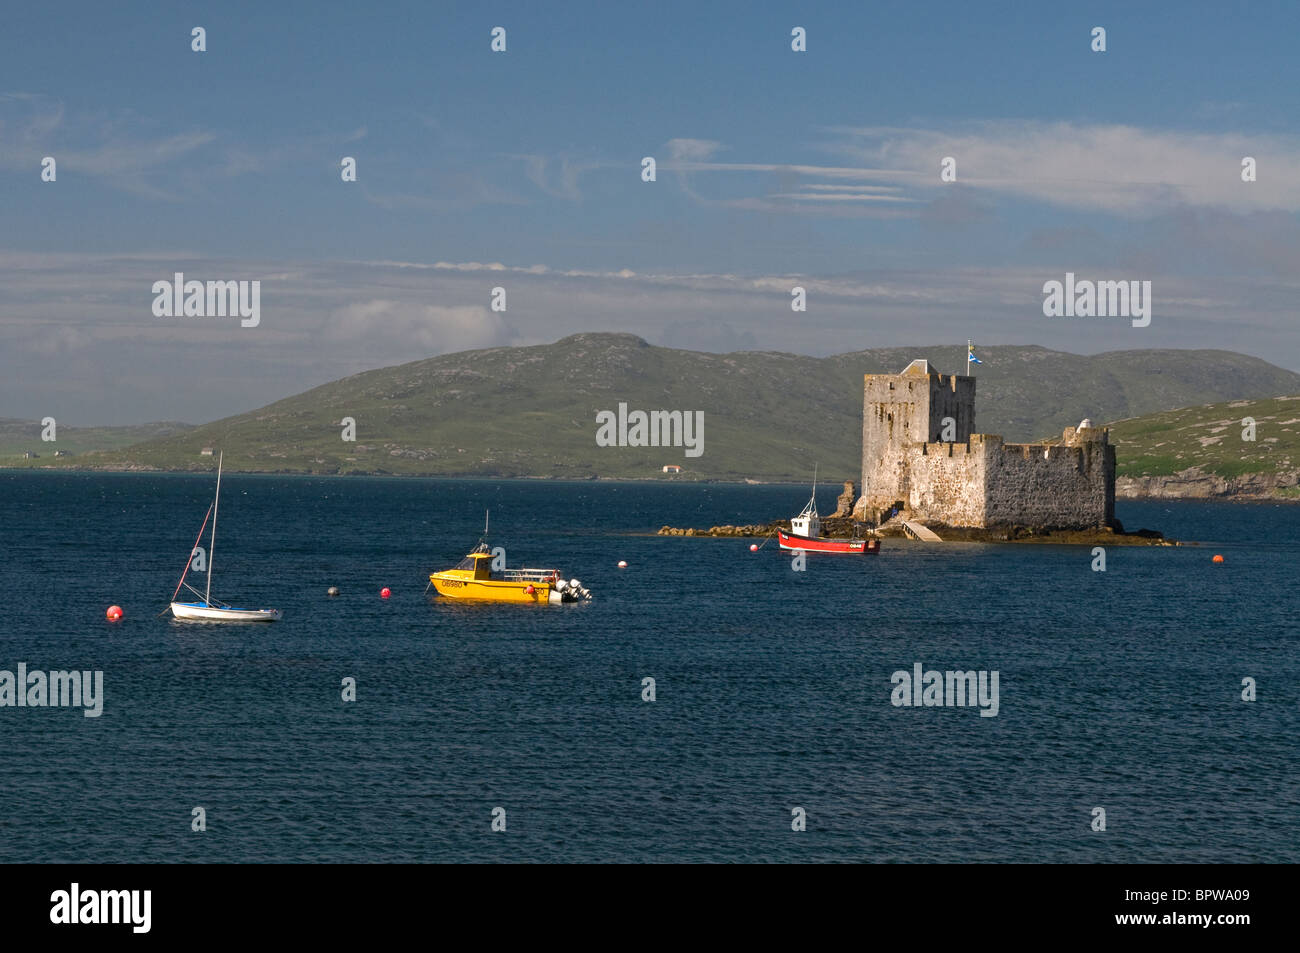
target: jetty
<point>921,531</point>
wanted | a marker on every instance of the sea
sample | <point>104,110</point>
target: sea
<point>1147,712</point>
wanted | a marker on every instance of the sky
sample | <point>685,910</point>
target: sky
<point>522,169</point>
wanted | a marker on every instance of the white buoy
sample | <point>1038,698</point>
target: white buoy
<point>622,564</point>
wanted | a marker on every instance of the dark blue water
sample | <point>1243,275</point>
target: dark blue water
<point>1119,690</point>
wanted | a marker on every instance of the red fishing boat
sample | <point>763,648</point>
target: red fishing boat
<point>821,544</point>
<point>806,534</point>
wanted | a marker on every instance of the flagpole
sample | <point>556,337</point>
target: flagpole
<point>968,348</point>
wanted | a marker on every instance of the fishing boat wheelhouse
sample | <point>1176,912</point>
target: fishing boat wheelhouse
<point>805,534</point>
<point>474,578</point>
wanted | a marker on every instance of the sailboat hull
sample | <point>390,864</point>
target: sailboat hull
<point>201,612</point>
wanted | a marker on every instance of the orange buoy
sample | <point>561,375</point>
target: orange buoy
<point>753,547</point>
<point>1218,558</point>
<point>530,590</point>
<point>385,592</point>
<point>114,613</point>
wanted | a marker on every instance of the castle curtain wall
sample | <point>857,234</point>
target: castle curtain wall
<point>975,480</point>
<point>949,478</point>
<point>1051,486</point>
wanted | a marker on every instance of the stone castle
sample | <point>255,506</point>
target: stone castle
<point>920,454</point>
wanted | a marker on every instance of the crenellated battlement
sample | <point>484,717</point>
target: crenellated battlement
<point>919,448</point>
<point>951,449</point>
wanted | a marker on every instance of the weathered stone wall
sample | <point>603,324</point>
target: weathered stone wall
<point>895,414</point>
<point>899,412</point>
<point>1050,485</point>
<point>952,396</point>
<point>947,482</point>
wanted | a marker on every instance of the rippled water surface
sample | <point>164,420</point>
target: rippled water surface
<point>1119,690</point>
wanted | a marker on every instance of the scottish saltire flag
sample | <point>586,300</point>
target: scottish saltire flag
<point>970,354</point>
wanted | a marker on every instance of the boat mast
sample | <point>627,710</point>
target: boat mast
<point>212,545</point>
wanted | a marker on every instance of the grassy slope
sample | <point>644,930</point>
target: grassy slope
<point>17,436</point>
<point>531,411</point>
<point>1209,436</point>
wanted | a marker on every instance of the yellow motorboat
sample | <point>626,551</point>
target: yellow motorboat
<point>474,578</point>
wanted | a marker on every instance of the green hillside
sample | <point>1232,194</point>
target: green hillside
<point>20,436</point>
<point>531,411</point>
<point>1200,451</point>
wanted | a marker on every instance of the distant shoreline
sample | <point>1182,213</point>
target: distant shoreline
<point>710,481</point>
<point>142,471</point>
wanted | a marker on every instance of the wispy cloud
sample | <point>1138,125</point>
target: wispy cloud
<point>127,152</point>
<point>1124,170</point>
<point>692,150</point>
<point>558,178</point>
<point>119,150</point>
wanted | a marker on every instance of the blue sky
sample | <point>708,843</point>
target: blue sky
<point>522,169</point>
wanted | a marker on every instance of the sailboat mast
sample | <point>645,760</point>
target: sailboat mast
<point>212,545</point>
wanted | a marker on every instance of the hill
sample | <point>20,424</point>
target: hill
<point>20,436</point>
<point>1203,451</point>
<point>531,411</point>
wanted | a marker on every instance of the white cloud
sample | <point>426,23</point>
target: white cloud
<point>1123,170</point>
<point>423,329</point>
<point>696,150</point>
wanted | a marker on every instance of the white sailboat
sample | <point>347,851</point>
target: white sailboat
<point>208,610</point>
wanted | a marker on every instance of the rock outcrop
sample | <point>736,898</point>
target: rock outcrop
<point>1196,484</point>
<point>844,505</point>
<point>756,529</point>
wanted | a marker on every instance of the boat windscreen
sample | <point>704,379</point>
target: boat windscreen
<point>469,562</point>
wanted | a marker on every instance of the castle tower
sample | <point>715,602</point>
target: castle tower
<point>920,450</point>
<point>900,411</point>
